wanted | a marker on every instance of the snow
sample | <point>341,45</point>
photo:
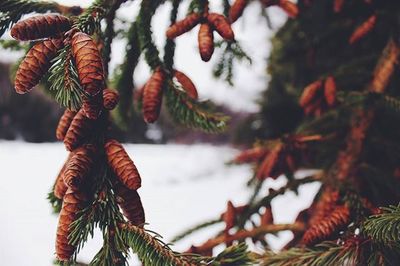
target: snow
<point>251,31</point>
<point>182,186</point>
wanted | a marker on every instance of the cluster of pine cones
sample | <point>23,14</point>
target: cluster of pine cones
<point>89,153</point>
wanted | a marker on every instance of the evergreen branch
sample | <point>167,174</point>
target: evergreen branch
<point>193,114</point>
<point>147,10</point>
<point>11,11</point>
<point>224,67</point>
<point>89,21</point>
<point>385,227</point>
<point>169,48</point>
<point>326,253</point>
<point>291,185</point>
<point>123,78</point>
<point>391,103</point>
<point>236,255</point>
<point>65,81</point>
<point>13,45</point>
<point>197,6</point>
<point>244,234</point>
<point>194,229</point>
<point>149,248</point>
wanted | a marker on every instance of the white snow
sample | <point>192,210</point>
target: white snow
<point>182,186</point>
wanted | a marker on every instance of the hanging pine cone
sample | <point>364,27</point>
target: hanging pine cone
<point>206,42</point>
<point>40,27</point>
<point>221,25</point>
<point>79,166</point>
<point>267,217</point>
<point>78,130</point>
<point>385,68</point>
<point>122,165</point>
<point>130,203</point>
<point>363,29</point>
<point>64,123</point>
<point>152,96</point>
<point>59,186</point>
<point>251,155</point>
<point>187,84</point>
<point>90,71</point>
<point>290,8</point>
<point>229,218</point>
<point>183,26</point>
<point>74,201</point>
<point>237,9</point>
<point>309,93</point>
<point>269,166</point>
<point>35,64</point>
<point>330,91</point>
<point>330,225</point>
<point>110,99</point>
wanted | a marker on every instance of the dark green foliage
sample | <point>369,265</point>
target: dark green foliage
<point>55,202</point>
<point>194,229</point>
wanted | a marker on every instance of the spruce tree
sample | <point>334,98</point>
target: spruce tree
<point>331,106</point>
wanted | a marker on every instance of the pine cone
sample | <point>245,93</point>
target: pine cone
<point>290,8</point>
<point>78,131</point>
<point>270,163</point>
<point>326,204</point>
<point>330,91</point>
<point>90,72</point>
<point>363,29</point>
<point>251,155</point>
<point>35,64</point>
<point>79,166</point>
<point>267,217</point>
<point>110,99</point>
<point>309,93</point>
<point>74,202</point>
<point>183,26</point>
<point>130,203</point>
<point>64,123</point>
<point>152,96</point>
<point>187,84</point>
<point>325,228</point>
<point>221,25</point>
<point>40,27</point>
<point>60,187</point>
<point>236,10</point>
<point>122,165</point>
<point>206,42</point>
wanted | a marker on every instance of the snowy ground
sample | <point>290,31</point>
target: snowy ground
<point>182,185</point>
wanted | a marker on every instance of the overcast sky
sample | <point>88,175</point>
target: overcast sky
<point>251,31</point>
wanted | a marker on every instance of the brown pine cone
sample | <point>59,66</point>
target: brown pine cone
<point>251,155</point>
<point>40,27</point>
<point>110,99</point>
<point>60,187</point>
<point>122,165</point>
<point>268,167</point>
<point>221,25</point>
<point>130,203</point>
<point>79,166</point>
<point>290,8</point>
<point>330,225</point>
<point>78,131</point>
<point>35,64</point>
<point>64,123</point>
<point>363,29</point>
<point>267,217</point>
<point>88,62</point>
<point>237,9</point>
<point>187,84</point>
<point>325,205</point>
<point>183,26</point>
<point>152,96</point>
<point>74,201</point>
<point>206,42</point>
<point>310,93</point>
<point>330,91</point>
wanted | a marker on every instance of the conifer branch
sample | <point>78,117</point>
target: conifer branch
<point>195,229</point>
<point>193,114</point>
